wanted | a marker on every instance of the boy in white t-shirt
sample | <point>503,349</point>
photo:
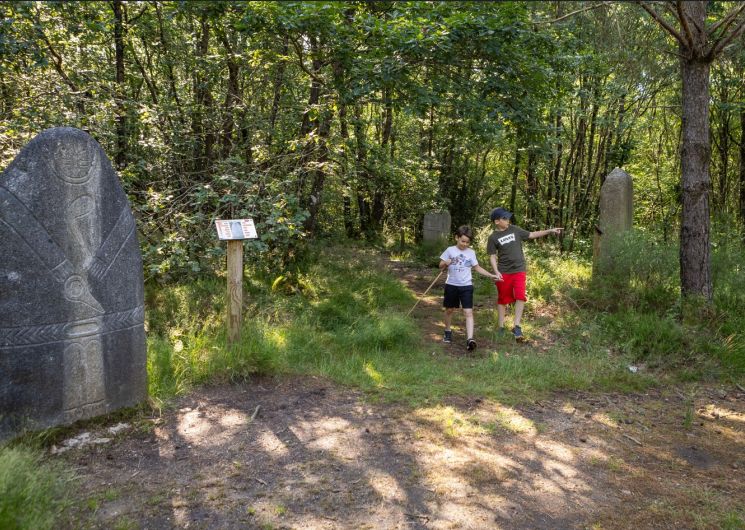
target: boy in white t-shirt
<point>459,260</point>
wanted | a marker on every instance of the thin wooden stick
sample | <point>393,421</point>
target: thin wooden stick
<point>425,292</point>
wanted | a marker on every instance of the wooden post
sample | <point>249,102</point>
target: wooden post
<point>235,290</point>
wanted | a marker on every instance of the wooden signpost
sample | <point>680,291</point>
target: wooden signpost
<point>234,231</point>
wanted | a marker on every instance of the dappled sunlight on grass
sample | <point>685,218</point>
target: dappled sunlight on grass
<point>484,420</point>
<point>714,411</point>
<point>511,420</point>
<point>277,338</point>
<point>604,419</point>
<point>449,421</point>
<point>375,376</point>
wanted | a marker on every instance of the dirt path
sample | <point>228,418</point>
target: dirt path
<point>304,453</point>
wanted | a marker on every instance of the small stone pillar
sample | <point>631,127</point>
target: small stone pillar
<point>616,213</point>
<point>436,226</point>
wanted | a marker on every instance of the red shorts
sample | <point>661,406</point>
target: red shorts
<point>511,288</point>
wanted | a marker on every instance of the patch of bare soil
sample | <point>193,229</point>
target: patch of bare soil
<point>303,453</point>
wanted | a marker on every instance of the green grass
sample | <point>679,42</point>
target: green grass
<point>344,318</point>
<point>33,492</point>
<point>341,316</point>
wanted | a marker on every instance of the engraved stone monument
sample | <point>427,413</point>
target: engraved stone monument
<point>72,338</point>
<point>436,226</point>
<point>616,212</point>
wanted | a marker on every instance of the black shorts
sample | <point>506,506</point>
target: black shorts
<point>456,296</point>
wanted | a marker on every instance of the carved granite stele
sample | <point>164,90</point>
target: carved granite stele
<point>72,338</point>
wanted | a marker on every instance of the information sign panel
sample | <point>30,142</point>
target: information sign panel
<point>233,229</point>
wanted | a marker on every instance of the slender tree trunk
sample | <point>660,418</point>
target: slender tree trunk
<point>319,173</point>
<point>378,204</point>
<point>309,122</point>
<point>554,187</point>
<point>695,259</point>
<point>742,172</point>
<point>277,91</point>
<point>532,185</point>
<point>204,138</point>
<point>363,176</point>
<point>232,96</point>
<point>722,145</point>
<point>121,112</point>
<point>169,64</point>
<point>515,171</point>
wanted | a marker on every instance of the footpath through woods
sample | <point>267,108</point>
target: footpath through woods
<point>302,452</point>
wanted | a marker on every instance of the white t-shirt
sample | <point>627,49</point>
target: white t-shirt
<point>459,270</point>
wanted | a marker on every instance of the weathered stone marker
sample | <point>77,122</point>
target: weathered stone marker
<point>436,226</point>
<point>72,338</point>
<point>616,212</point>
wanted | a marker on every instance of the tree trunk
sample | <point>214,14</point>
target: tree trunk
<point>204,138</point>
<point>742,172</point>
<point>363,176</point>
<point>515,172</point>
<point>695,259</point>
<point>232,96</point>
<point>279,74</point>
<point>121,112</point>
<point>554,189</point>
<point>531,180</point>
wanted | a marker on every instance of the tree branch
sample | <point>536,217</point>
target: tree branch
<point>723,41</point>
<point>671,30</point>
<point>56,57</point>
<point>138,15</point>
<point>727,20</point>
<point>684,23</point>
<point>299,51</point>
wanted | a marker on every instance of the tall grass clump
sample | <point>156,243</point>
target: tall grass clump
<point>728,274</point>
<point>33,492</point>
<point>636,291</point>
<point>636,271</point>
<point>187,337</point>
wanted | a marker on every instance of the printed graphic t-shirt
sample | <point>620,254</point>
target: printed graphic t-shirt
<point>508,245</point>
<point>459,270</point>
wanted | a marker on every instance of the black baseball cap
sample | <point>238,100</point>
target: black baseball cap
<point>500,213</point>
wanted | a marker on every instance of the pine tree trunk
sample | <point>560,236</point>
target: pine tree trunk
<point>695,258</point>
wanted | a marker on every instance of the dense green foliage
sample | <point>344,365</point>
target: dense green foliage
<point>321,118</point>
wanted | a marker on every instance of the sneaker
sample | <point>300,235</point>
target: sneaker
<point>448,336</point>
<point>518,333</point>
<point>500,331</point>
<point>470,344</point>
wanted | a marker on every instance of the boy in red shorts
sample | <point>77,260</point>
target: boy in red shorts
<point>505,249</point>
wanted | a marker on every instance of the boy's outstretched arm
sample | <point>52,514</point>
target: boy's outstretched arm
<point>493,260</point>
<point>484,272</point>
<point>542,233</point>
